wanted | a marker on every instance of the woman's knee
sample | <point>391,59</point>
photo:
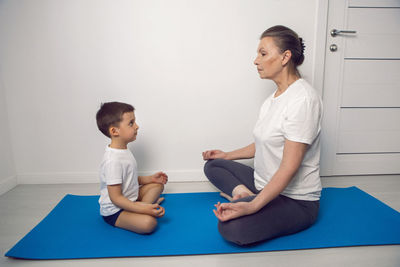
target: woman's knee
<point>208,165</point>
<point>211,164</point>
<point>235,231</point>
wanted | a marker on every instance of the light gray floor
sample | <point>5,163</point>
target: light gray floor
<point>26,205</point>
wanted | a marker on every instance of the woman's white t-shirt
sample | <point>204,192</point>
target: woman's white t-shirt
<point>294,115</point>
<point>118,167</point>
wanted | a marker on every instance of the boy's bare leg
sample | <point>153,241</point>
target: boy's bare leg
<point>150,193</point>
<point>159,200</point>
<point>142,223</point>
<point>136,222</point>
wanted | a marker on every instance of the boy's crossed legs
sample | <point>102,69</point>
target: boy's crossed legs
<point>150,193</point>
<point>138,222</point>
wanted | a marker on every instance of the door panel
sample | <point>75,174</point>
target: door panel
<point>369,130</point>
<point>374,3</point>
<point>361,124</point>
<point>369,83</point>
<point>364,164</point>
<point>377,33</point>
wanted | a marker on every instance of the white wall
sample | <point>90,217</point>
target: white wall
<point>8,178</point>
<point>185,65</point>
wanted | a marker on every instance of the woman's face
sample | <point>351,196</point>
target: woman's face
<point>269,60</point>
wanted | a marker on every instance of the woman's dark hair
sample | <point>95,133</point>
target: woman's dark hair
<point>287,39</point>
<point>110,114</point>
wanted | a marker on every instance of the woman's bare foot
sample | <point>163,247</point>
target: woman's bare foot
<point>241,195</point>
<point>241,191</point>
<point>228,197</point>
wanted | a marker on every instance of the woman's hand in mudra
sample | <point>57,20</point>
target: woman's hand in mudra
<point>214,154</point>
<point>229,211</point>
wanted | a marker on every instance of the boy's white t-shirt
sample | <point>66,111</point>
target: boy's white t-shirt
<point>117,167</point>
<point>295,115</point>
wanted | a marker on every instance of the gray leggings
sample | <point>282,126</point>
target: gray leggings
<point>281,216</point>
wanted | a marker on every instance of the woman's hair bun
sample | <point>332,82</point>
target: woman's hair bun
<point>287,39</point>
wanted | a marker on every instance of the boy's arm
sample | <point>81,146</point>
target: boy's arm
<point>158,178</point>
<point>116,196</point>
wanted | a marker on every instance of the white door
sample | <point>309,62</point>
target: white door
<point>361,126</point>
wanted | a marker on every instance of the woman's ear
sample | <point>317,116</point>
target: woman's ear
<point>287,55</point>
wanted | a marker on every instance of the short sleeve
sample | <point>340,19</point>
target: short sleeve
<point>113,172</point>
<point>302,120</point>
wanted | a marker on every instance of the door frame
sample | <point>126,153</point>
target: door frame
<point>318,78</point>
<point>321,24</point>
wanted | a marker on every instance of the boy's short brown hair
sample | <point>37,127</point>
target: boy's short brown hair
<point>110,114</point>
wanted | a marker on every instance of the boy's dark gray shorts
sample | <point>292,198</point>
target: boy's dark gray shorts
<point>111,219</point>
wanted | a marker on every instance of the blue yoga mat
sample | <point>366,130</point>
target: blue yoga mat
<point>74,229</point>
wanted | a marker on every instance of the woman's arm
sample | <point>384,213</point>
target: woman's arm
<point>118,199</point>
<point>246,152</point>
<point>293,154</point>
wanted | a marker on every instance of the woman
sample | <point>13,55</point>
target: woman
<point>280,196</point>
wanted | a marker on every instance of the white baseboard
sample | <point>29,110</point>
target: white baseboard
<point>92,177</point>
<point>58,178</point>
<point>181,176</point>
<point>7,184</point>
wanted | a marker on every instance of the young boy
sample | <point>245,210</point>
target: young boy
<point>127,200</point>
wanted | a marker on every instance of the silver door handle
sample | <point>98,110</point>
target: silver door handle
<point>335,32</point>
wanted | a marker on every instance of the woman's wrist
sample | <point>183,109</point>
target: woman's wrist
<point>256,204</point>
<point>228,156</point>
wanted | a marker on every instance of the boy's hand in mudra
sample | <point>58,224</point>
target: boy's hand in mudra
<point>159,178</point>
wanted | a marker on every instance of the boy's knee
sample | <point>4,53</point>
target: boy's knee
<point>160,187</point>
<point>149,224</point>
<point>157,186</point>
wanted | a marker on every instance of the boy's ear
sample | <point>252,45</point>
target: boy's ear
<point>114,131</point>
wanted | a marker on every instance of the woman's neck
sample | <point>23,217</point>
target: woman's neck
<point>283,81</point>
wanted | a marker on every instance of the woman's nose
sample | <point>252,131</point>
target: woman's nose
<point>255,61</point>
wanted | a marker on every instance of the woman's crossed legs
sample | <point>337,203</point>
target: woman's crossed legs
<point>282,216</point>
<point>234,179</point>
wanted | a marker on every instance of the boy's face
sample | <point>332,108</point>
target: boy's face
<point>128,128</point>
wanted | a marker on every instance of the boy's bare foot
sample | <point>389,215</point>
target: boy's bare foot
<point>161,199</point>
<point>222,194</point>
